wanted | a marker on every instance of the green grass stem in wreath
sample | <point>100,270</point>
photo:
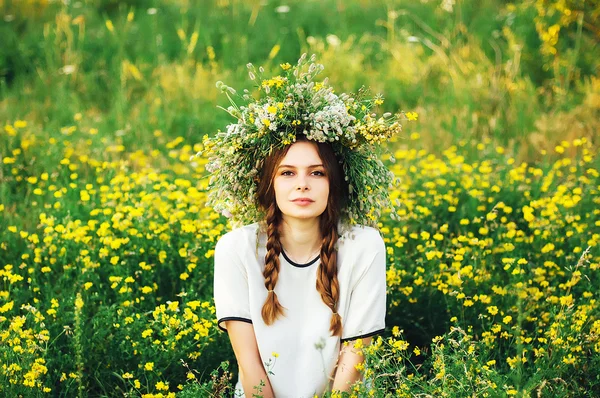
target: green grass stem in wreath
<point>283,107</point>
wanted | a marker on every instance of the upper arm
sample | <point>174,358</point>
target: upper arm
<point>351,354</point>
<point>230,285</point>
<point>252,372</point>
<point>243,341</point>
<point>367,305</point>
<point>346,370</point>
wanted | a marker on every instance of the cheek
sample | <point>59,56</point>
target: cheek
<point>279,185</point>
<point>281,188</point>
<point>325,190</point>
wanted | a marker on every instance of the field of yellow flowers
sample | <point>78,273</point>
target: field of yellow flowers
<point>106,246</point>
<point>109,289</point>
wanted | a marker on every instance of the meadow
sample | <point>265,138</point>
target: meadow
<point>106,245</point>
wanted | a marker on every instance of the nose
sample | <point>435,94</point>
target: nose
<point>302,184</point>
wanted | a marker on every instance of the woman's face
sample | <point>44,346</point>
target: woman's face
<point>301,174</point>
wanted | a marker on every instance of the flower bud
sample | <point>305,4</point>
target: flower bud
<point>226,213</point>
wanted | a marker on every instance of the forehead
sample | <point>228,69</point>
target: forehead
<point>302,154</point>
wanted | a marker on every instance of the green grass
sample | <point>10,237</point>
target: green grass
<point>99,199</point>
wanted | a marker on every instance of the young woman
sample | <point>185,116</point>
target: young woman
<point>293,303</point>
<point>302,275</point>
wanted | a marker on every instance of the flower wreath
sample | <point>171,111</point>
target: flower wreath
<point>290,104</point>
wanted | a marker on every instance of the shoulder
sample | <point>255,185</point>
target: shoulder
<point>236,237</point>
<point>361,234</point>
<point>363,250</point>
<point>362,238</point>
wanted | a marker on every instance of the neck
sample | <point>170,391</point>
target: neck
<point>300,237</point>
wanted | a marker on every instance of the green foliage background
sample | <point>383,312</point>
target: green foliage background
<point>106,247</point>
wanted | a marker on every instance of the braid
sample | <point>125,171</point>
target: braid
<point>327,279</point>
<point>272,308</point>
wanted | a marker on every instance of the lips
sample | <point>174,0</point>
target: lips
<point>303,200</point>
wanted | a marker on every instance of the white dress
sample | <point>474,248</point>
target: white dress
<point>298,348</point>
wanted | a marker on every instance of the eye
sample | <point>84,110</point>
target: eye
<point>319,173</point>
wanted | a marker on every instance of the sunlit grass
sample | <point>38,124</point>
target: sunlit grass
<point>106,244</point>
<point>507,252</point>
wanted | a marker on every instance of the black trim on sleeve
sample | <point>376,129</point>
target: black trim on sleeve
<point>231,318</point>
<point>363,336</point>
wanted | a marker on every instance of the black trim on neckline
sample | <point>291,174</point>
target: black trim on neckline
<point>363,336</point>
<point>231,318</point>
<point>299,265</point>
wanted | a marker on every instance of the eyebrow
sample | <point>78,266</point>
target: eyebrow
<point>293,167</point>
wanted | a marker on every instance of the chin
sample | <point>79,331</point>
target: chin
<point>301,214</point>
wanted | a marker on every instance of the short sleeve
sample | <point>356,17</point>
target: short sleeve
<point>230,283</point>
<point>367,308</point>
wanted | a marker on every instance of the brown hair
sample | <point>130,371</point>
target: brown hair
<point>327,281</point>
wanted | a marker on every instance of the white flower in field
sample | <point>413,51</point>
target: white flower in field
<point>333,40</point>
<point>282,9</point>
<point>152,11</point>
<point>67,69</point>
<point>28,307</point>
<point>412,39</point>
<point>447,5</point>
